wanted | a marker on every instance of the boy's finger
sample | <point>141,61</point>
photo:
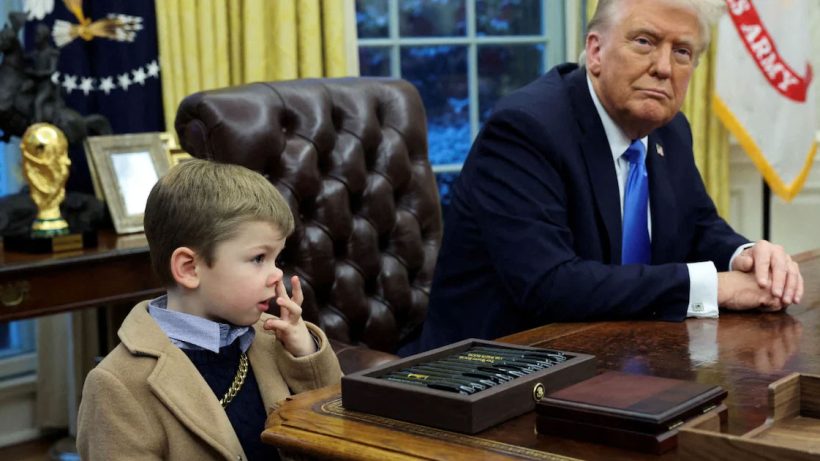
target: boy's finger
<point>296,288</point>
<point>281,291</point>
<point>271,324</point>
<point>284,310</point>
<point>289,310</point>
<point>276,325</point>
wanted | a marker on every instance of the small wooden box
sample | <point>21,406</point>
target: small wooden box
<point>792,430</point>
<point>368,391</point>
<point>636,412</point>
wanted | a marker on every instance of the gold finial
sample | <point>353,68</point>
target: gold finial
<point>45,165</point>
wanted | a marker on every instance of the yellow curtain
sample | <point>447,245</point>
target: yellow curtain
<point>591,5</point>
<point>213,44</point>
<point>710,138</point>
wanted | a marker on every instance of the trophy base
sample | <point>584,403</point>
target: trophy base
<point>55,244</point>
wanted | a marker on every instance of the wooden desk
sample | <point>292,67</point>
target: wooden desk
<point>117,270</point>
<point>743,352</point>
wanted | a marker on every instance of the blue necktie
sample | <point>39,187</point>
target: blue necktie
<point>636,248</point>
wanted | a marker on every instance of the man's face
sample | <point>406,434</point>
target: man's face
<point>640,63</point>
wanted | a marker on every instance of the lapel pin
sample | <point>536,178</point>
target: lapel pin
<point>659,149</point>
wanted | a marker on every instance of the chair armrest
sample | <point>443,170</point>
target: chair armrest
<point>357,358</point>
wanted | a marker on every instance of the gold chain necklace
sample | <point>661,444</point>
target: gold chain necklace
<point>238,380</point>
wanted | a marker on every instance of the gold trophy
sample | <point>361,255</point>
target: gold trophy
<point>45,166</point>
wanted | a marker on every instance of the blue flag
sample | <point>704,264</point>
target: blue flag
<point>108,64</point>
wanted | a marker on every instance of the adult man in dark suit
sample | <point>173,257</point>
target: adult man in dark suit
<point>534,233</point>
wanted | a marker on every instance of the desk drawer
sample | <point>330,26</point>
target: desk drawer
<point>47,290</point>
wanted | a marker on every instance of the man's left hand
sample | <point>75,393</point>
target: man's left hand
<point>773,269</point>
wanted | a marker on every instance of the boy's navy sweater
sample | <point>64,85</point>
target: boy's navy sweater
<point>246,411</point>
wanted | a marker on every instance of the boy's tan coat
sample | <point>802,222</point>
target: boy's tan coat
<point>147,401</point>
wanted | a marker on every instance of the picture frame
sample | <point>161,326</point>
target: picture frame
<point>169,140</point>
<point>177,156</point>
<point>124,168</point>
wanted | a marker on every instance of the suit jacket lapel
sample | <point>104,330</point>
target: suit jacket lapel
<point>598,158</point>
<point>261,356</point>
<point>177,383</point>
<point>662,202</point>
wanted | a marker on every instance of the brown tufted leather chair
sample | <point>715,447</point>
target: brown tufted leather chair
<point>350,157</point>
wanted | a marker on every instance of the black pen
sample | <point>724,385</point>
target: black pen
<point>431,383</point>
<point>484,367</point>
<point>542,360</point>
<point>440,387</point>
<point>519,362</point>
<point>517,367</point>
<point>543,354</point>
<point>471,368</point>
<point>432,380</point>
<point>471,373</point>
<point>443,375</point>
<point>456,374</point>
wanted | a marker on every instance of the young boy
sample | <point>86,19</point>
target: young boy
<point>198,368</point>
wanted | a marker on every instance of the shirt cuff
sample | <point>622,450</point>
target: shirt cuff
<point>702,290</point>
<point>316,341</point>
<point>738,251</point>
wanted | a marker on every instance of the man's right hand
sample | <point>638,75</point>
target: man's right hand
<point>740,291</point>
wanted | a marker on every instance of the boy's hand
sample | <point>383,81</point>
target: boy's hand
<point>289,328</point>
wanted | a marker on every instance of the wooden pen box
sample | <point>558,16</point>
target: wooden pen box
<point>630,411</point>
<point>375,391</point>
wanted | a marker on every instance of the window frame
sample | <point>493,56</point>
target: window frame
<point>20,361</point>
<point>18,364</point>
<point>558,22</point>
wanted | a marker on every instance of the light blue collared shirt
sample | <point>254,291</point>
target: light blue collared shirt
<point>188,331</point>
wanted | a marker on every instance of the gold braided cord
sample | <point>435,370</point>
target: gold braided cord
<point>238,380</point>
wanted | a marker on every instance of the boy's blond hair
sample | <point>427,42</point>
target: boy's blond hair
<point>201,203</point>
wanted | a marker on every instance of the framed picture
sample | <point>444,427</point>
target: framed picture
<point>177,156</point>
<point>169,140</point>
<point>175,153</point>
<point>124,168</point>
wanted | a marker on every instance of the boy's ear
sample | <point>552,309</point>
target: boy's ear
<point>183,267</point>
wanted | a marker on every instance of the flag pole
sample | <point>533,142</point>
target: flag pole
<point>767,210</point>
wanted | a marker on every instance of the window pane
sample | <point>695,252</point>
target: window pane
<point>16,337</point>
<point>445,182</point>
<point>440,75</point>
<point>431,18</point>
<point>504,68</point>
<point>374,61</point>
<point>508,17</point>
<point>372,19</point>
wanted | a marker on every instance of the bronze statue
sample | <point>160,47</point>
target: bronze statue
<point>45,166</point>
<point>27,93</point>
<point>14,103</point>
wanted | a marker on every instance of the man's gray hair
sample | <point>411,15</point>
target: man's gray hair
<point>708,12</point>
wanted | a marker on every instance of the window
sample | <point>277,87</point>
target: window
<point>462,56</point>
<point>17,348</point>
<point>17,343</point>
<point>17,339</point>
